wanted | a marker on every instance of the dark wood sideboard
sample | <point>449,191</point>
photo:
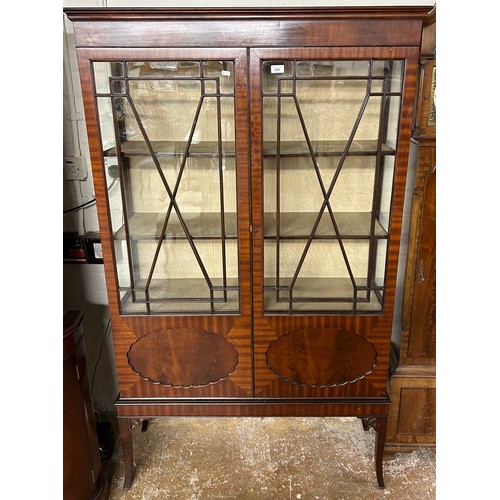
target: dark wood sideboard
<point>84,476</point>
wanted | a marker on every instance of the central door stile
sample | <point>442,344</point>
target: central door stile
<point>244,326</point>
<point>257,182</point>
<point>246,115</point>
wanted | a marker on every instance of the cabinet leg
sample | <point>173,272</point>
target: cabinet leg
<point>380,426</point>
<point>125,427</point>
<point>381,429</point>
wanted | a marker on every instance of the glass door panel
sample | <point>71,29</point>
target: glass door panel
<point>329,141</point>
<point>168,134</point>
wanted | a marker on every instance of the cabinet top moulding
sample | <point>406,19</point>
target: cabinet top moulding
<point>169,13</point>
<point>247,27</point>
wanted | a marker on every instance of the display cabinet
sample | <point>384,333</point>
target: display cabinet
<point>249,169</point>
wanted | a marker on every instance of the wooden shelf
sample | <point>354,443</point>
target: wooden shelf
<point>331,294</point>
<point>293,225</point>
<point>325,148</point>
<point>163,292</point>
<point>145,226</point>
<point>298,225</point>
<point>287,149</point>
<point>174,148</point>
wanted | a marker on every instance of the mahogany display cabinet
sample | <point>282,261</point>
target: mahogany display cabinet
<point>249,169</point>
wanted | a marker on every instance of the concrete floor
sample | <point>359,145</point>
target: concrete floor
<point>267,458</point>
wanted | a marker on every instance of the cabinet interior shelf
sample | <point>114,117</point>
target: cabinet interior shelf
<point>170,289</point>
<point>309,294</point>
<point>292,225</point>
<point>174,148</point>
<point>334,289</point>
<point>287,148</point>
<point>182,295</point>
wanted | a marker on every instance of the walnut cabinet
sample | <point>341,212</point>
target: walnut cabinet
<point>249,169</point>
<point>412,418</point>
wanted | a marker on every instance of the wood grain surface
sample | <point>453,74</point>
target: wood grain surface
<point>316,357</point>
<point>183,357</point>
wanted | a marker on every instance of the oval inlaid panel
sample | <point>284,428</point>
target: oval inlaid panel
<point>321,357</point>
<point>183,357</point>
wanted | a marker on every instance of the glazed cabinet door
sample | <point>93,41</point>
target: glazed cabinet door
<point>329,152</point>
<point>170,156</point>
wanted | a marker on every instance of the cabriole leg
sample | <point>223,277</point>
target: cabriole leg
<point>380,426</point>
<point>125,427</point>
<point>381,429</point>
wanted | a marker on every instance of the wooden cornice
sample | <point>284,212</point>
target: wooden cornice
<point>243,13</point>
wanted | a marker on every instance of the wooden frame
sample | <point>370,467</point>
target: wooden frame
<point>252,35</point>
